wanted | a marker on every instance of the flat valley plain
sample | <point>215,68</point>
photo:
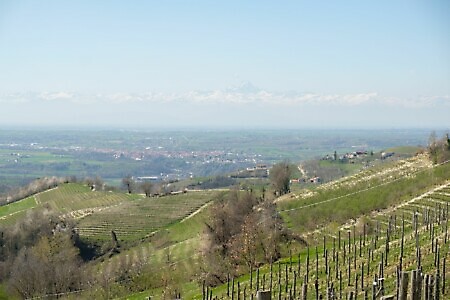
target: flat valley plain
<point>175,154</point>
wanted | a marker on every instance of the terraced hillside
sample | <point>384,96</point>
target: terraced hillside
<point>353,196</point>
<point>131,216</point>
<point>360,229</point>
<point>362,257</point>
<point>134,220</point>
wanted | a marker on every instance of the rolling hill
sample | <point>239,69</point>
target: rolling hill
<point>358,229</point>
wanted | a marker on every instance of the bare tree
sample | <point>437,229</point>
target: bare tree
<point>439,149</point>
<point>147,188</point>
<point>128,182</point>
<point>51,266</point>
<point>280,175</point>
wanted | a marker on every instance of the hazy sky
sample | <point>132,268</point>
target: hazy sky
<point>159,64</point>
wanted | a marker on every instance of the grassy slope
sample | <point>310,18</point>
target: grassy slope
<point>16,207</point>
<point>132,216</point>
<point>385,186</point>
<point>326,217</point>
<point>176,236</point>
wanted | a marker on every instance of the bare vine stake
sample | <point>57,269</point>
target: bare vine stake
<point>374,288</point>
<point>271,277</point>
<point>349,273</point>
<point>395,226</point>
<point>324,247</point>
<point>290,260</point>
<point>446,214</point>
<point>443,275</point>
<point>334,248</point>
<point>436,255</point>
<point>203,290</point>
<point>389,229</point>
<point>403,240</point>
<point>349,242</point>
<point>446,230</point>
<point>232,289</point>
<point>436,285</point>
<point>257,279</point>
<point>435,213</point>
<point>403,292</point>
<point>251,278</point>
<point>337,266</point>
<point>295,284</point>
<point>307,266</point>
<point>228,285</point>
<point>386,250</point>
<point>339,242</point>
<point>286,279</point>
<point>360,246</point>
<point>326,261</point>
<point>425,287</point>
<point>279,273</point>
<point>382,265</point>
<point>432,239</point>
<point>328,279</point>
<point>238,291</point>
<point>298,264</point>
<point>439,214</point>
<point>316,286</point>
<point>364,234</point>
<point>377,232</point>
<point>414,284</point>
<point>362,276</point>
<point>317,264</point>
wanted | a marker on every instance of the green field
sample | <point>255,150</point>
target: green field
<point>7,211</point>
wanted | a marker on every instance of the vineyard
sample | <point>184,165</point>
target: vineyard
<point>379,233</point>
<point>137,219</point>
<point>132,216</point>
<point>12,212</point>
<point>365,259</point>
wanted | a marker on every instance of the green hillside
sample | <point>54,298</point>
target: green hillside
<point>368,211</point>
<point>96,213</point>
<point>350,226</point>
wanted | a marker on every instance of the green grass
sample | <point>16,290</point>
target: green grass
<point>404,150</point>
<point>353,205</point>
<point>347,168</point>
<point>15,207</point>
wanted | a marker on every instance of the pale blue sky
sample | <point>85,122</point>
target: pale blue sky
<point>250,63</point>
